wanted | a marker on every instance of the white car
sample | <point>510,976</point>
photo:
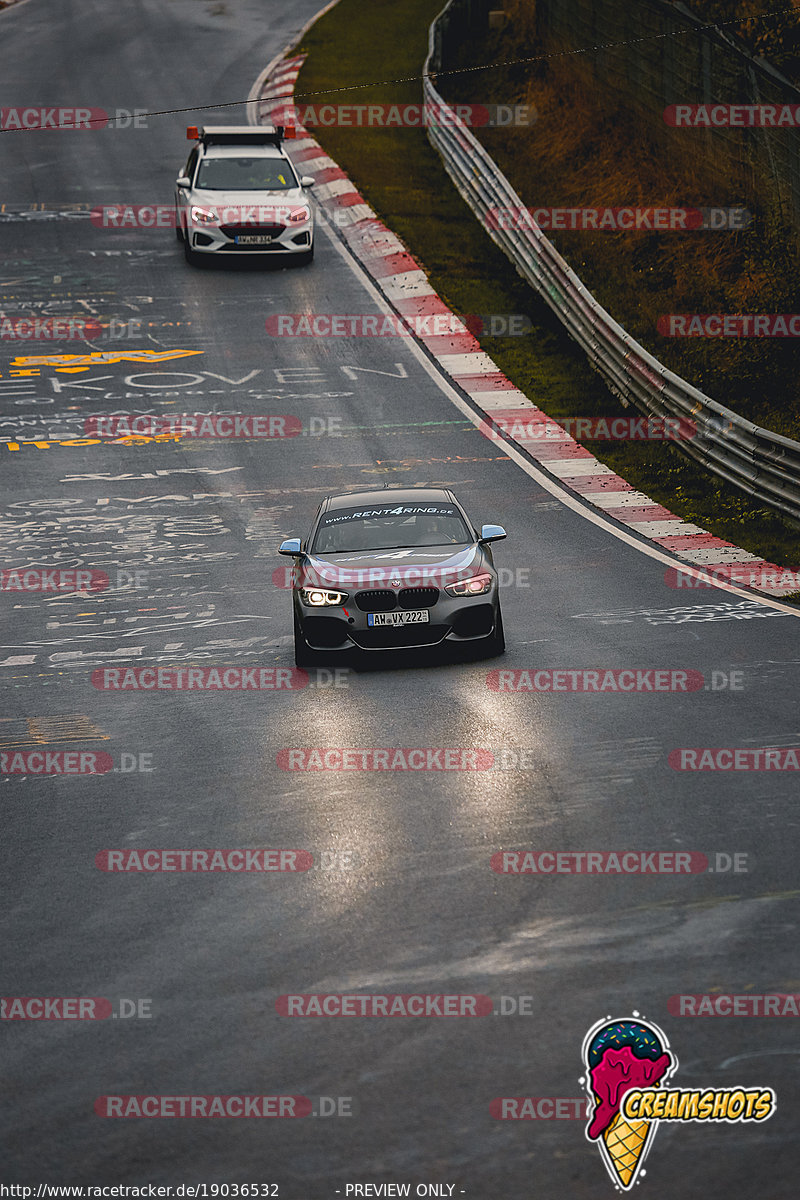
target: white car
<point>240,194</point>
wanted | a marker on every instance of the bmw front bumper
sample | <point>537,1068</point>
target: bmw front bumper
<point>452,619</point>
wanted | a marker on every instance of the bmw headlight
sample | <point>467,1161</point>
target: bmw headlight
<point>478,585</point>
<point>319,598</point>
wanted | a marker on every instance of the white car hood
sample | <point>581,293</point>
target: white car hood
<point>248,201</point>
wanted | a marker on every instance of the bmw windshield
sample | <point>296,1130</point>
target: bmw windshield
<point>390,527</point>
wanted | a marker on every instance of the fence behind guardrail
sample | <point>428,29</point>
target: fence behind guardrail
<point>761,463</point>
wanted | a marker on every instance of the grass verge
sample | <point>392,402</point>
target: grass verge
<point>403,179</point>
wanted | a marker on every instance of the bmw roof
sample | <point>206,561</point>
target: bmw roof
<point>407,495</point>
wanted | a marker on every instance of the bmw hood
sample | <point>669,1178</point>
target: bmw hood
<point>418,566</point>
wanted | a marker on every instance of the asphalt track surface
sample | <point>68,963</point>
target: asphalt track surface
<point>402,899</point>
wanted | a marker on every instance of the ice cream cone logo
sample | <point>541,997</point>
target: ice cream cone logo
<point>619,1055</point>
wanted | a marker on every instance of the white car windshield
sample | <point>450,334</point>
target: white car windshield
<point>246,175</point>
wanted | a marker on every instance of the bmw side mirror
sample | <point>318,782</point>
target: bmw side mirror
<point>307,181</point>
<point>183,181</point>
<point>492,533</point>
<point>291,547</point>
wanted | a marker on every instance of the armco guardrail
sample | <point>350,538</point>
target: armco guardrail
<point>763,464</point>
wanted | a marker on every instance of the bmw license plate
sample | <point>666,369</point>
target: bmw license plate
<point>251,239</point>
<point>418,616</point>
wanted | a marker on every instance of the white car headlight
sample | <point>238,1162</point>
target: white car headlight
<point>203,216</point>
<point>319,598</point>
<point>298,216</point>
<point>478,585</point>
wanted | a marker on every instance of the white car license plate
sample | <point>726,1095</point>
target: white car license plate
<point>417,616</point>
<point>251,239</point>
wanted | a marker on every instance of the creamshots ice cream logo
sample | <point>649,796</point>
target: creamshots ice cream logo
<point>627,1064</point>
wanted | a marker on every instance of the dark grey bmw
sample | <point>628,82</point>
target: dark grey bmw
<point>401,568</point>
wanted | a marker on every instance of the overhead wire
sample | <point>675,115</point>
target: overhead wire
<point>354,87</point>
